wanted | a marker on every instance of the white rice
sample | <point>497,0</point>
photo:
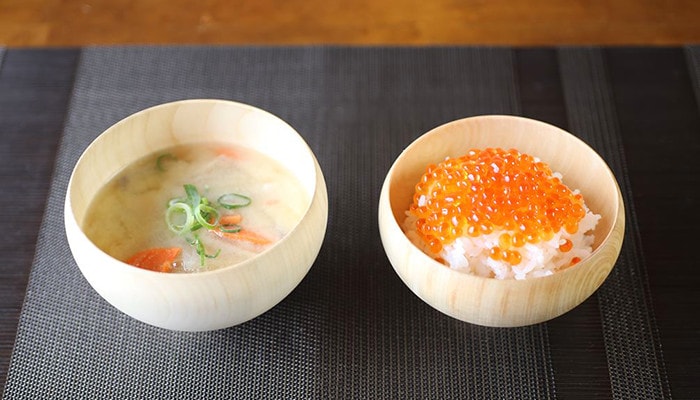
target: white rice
<point>471,254</point>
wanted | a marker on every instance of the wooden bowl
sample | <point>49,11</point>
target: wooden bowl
<point>488,301</point>
<point>205,300</point>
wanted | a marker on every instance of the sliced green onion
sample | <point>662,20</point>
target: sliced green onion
<point>229,228</point>
<point>201,251</point>
<point>186,215</point>
<point>175,209</point>
<point>213,255</point>
<point>192,195</point>
<point>162,158</point>
<point>204,213</point>
<point>233,200</point>
<point>177,200</point>
<point>192,241</point>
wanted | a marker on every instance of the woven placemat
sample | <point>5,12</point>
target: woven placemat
<point>351,329</point>
<point>693,57</point>
<point>632,345</point>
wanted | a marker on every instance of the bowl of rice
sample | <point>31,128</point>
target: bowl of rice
<point>500,220</point>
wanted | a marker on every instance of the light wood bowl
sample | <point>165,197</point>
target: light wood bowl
<point>206,300</point>
<point>488,301</point>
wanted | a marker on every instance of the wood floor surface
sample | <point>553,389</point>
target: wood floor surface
<point>38,23</point>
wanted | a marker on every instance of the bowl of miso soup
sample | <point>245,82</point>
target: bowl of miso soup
<point>196,215</point>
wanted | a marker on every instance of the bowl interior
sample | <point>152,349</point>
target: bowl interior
<point>183,122</point>
<point>581,167</point>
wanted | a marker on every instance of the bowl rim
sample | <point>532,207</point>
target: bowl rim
<point>122,265</point>
<point>619,209</point>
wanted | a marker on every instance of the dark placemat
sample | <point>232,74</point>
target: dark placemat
<point>35,87</point>
<point>351,329</point>
<point>629,329</point>
<point>693,58</point>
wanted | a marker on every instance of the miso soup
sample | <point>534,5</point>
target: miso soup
<point>195,207</point>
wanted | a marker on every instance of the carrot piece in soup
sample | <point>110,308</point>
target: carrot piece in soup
<point>156,259</point>
<point>230,219</point>
<point>244,235</point>
<point>248,236</point>
<point>228,152</point>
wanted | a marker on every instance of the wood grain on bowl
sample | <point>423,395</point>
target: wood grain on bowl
<point>488,301</point>
<point>206,300</point>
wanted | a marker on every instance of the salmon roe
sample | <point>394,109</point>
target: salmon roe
<point>494,190</point>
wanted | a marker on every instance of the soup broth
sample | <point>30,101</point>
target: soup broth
<point>140,214</point>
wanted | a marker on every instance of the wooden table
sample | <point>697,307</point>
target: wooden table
<point>439,22</point>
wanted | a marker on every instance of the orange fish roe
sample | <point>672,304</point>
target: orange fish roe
<point>494,190</point>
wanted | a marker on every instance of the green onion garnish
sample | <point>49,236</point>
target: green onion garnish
<point>193,196</point>
<point>186,215</point>
<point>161,159</point>
<point>230,228</point>
<point>204,213</point>
<point>201,251</point>
<point>181,210</point>
<point>176,200</point>
<point>233,200</point>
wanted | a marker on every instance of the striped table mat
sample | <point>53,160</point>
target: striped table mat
<point>351,329</point>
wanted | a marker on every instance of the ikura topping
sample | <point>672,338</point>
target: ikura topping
<point>495,190</point>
